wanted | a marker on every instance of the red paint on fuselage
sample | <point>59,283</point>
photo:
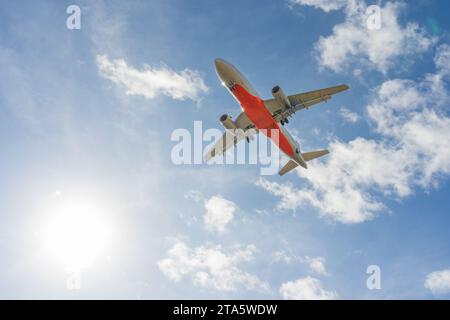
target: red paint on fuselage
<point>257,112</point>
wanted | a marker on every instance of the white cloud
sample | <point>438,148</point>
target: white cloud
<point>352,44</point>
<point>282,256</point>
<point>209,266</point>
<point>333,204</point>
<point>438,281</point>
<point>413,150</point>
<point>150,81</point>
<point>316,265</point>
<point>195,195</point>
<point>307,288</point>
<point>325,5</point>
<point>219,212</point>
<point>442,59</point>
<point>348,116</point>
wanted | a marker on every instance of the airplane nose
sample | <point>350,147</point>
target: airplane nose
<point>218,61</point>
<point>221,69</point>
<point>220,64</point>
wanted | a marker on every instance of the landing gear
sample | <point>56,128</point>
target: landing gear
<point>231,85</point>
<point>282,122</point>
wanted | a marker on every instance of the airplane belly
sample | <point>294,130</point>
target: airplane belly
<point>257,112</point>
<point>263,120</point>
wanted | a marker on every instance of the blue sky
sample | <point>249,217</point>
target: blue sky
<point>86,118</point>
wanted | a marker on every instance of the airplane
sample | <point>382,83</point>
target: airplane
<point>266,116</point>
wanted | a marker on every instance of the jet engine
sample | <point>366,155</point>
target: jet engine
<point>227,122</point>
<point>280,97</point>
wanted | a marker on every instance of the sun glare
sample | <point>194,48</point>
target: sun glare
<point>76,234</point>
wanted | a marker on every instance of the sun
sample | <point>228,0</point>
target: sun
<point>76,233</point>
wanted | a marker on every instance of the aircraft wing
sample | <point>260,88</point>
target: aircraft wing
<point>301,101</point>
<point>230,138</point>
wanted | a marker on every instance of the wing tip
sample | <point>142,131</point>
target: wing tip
<point>343,87</point>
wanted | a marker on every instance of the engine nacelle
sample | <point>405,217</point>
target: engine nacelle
<point>280,97</point>
<point>227,122</point>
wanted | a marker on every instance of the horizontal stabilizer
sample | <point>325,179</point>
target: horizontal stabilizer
<point>308,156</point>
<point>288,167</point>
